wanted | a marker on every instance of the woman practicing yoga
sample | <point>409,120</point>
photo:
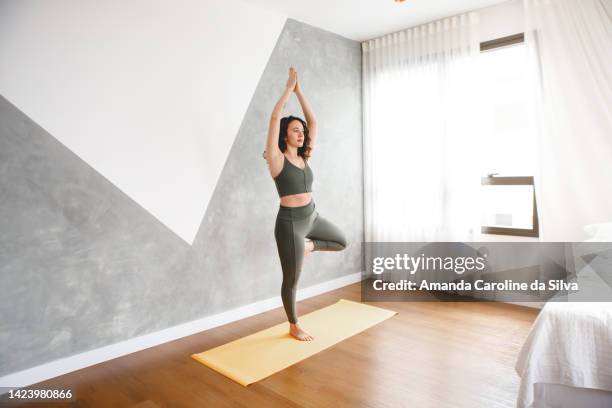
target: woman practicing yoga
<point>299,228</point>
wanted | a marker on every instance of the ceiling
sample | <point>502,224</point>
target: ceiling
<point>362,20</point>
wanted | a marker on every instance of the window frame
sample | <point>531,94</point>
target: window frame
<point>502,42</point>
<point>505,180</point>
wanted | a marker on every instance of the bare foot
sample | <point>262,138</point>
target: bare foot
<point>308,246</point>
<point>296,331</point>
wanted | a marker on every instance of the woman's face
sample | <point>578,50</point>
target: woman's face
<point>295,133</point>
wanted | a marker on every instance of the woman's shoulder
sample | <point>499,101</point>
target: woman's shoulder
<point>276,165</point>
<point>273,157</point>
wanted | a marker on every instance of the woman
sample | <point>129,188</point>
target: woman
<point>299,229</point>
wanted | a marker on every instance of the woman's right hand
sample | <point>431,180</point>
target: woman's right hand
<point>292,81</point>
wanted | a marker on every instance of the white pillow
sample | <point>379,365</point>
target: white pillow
<point>599,232</point>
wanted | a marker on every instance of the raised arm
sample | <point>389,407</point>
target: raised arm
<point>273,153</point>
<point>311,121</point>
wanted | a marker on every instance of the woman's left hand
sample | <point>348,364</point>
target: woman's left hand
<point>297,88</point>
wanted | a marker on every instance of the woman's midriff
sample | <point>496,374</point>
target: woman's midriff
<point>295,200</point>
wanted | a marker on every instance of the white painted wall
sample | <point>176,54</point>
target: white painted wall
<point>151,93</point>
<point>501,20</point>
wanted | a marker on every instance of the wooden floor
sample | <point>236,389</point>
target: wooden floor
<point>431,354</point>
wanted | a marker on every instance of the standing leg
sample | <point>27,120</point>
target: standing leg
<point>290,246</point>
<point>290,236</point>
<point>326,236</point>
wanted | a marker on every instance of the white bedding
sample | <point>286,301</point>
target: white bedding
<point>569,344</point>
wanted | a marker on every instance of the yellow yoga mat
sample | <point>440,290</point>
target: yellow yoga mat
<point>259,355</point>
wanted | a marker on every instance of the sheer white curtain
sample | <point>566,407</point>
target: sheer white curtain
<point>571,46</point>
<point>421,133</point>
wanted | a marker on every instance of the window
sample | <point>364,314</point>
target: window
<point>508,148</point>
<point>509,206</point>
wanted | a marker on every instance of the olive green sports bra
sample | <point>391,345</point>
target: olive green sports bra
<point>293,180</point>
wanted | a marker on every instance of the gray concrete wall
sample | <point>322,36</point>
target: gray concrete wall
<point>83,266</point>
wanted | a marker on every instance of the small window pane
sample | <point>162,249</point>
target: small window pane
<point>507,206</point>
<point>507,112</point>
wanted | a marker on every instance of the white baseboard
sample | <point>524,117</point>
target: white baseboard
<point>78,361</point>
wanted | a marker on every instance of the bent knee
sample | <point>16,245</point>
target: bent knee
<point>343,242</point>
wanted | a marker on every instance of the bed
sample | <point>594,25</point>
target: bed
<point>566,360</point>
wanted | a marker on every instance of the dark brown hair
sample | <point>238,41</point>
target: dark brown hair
<point>303,151</point>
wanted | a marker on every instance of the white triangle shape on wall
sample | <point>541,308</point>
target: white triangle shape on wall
<point>151,95</point>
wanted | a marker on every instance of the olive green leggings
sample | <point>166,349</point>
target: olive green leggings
<point>293,225</point>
